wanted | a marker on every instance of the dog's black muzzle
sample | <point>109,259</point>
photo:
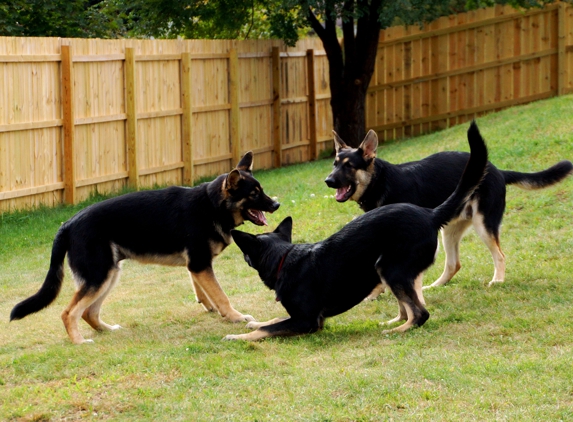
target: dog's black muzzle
<point>331,182</point>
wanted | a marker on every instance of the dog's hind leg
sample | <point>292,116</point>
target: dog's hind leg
<point>451,236</point>
<point>92,314</point>
<point>402,315</point>
<point>418,287</point>
<point>417,315</point>
<point>81,301</point>
<point>217,297</point>
<point>491,239</point>
<point>406,293</point>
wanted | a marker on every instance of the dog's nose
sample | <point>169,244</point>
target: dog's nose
<point>275,206</point>
<point>330,182</point>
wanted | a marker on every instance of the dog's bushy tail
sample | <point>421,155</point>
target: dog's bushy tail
<point>470,180</point>
<point>53,282</point>
<point>541,179</point>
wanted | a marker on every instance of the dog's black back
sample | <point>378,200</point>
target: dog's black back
<point>152,225</point>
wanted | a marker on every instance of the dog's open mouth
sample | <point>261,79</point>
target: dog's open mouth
<point>256,217</point>
<point>343,194</point>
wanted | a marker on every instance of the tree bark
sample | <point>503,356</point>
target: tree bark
<point>351,68</point>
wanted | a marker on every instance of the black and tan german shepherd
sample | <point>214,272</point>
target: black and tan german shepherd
<point>173,226</point>
<point>359,176</point>
<point>394,244</point>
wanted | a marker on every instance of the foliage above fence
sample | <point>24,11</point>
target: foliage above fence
<point>78,115</point>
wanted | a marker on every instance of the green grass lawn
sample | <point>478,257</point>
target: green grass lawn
<point>499,353</point>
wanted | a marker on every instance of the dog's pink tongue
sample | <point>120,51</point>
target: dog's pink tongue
<point>260,216</point>
<point>341,193</point>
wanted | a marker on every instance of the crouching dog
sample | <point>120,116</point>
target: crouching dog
<point>393,244</point>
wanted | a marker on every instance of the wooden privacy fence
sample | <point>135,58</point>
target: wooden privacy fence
<point>100,114</point>
<point>462,66</point>
<point>79,115</point>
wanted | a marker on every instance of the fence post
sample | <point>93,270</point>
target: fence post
<point>186,121</point>
<point>235,112</point>
<point>277,115</point>
<point>561,49</point>
<point>311,102</point>
<point>70,196</point>
<point>131,109</point>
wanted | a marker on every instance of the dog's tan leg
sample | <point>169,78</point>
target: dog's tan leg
<point>252,336</point>
<point>91,314</point>
<point>72,314</point>
<point>418,287</point>
<point>402,315</point>
<point>451,236</point>
<point>377,291</point>
<point>201,297</point>
<point>253,325</point>
<point>491,240</point>
<point>210,286</point>
<point>409,320</point>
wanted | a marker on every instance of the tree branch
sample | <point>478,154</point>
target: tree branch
<point>327,35</point>
<point>316,25</point>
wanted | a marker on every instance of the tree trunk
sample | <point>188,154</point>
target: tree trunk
<point>348,104</point>
<point>351,69</point>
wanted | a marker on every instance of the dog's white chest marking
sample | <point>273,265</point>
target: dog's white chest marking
<point>218,247</point>
<point>363,179</point>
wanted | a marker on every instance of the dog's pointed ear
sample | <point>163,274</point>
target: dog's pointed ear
<point>232,180</point>
<point>369,144</point>
<point>245,241</point>
<point>284,229</point>
<point>246,163</point>
<point>338,142</point>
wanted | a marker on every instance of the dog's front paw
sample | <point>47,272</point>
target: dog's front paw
<point>248,318</point>
<point>232,337</point>
<point>238,317</point>
<point>253,325</point>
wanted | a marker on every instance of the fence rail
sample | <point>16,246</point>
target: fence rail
<point>78,115</point>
